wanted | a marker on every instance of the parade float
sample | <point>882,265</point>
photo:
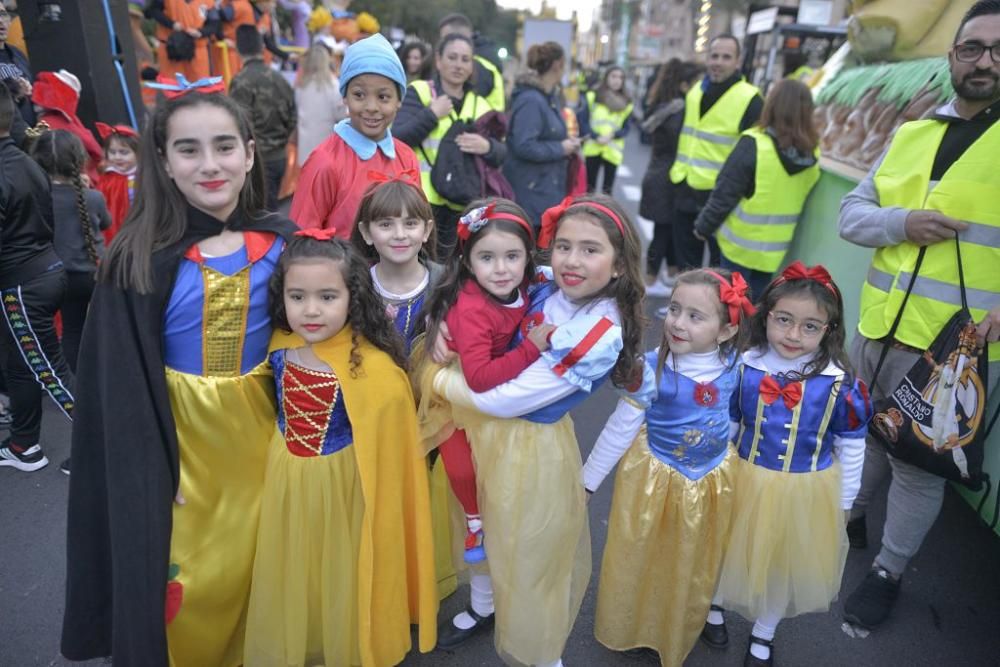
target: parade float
<point>893,69</point>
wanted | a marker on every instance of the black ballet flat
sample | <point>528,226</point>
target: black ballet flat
<point>715,636</point>
<point>450,636</point>
<point>753,661</point>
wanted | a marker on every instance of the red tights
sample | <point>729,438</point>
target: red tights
<point>457,457</point>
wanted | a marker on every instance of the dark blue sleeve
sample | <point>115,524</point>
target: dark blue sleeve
<point>583,118</point>
<point>623,130</point>
<point>527,123</point>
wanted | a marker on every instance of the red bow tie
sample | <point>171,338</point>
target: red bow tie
<point>770,391</point>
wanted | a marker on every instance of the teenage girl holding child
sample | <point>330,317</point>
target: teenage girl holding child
<point>523,444</point>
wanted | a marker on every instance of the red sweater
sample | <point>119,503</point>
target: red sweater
<point>482,329</point>
<point>334,179</point>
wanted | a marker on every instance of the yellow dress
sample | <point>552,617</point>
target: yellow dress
<point>345,558</point>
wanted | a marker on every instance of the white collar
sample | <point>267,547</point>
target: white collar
<point>771,362</point>
<point>697,366</point>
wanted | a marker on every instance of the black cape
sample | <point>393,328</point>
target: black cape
<point>125,465</point>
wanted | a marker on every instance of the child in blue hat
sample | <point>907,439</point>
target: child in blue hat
<point>334,178</point>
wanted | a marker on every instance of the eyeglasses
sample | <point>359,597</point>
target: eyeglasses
<point>807,329</point>
<point>971,52</point>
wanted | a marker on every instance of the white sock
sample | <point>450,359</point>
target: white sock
<point>473,522</point>
<point>715,617</point>
<point>557,663</point>
<point>764,628</point>
<point>481,601</point>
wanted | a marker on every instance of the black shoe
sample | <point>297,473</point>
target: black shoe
<point>716,636</point>
<point>64,467</point>
<point>30,460</point>
<point>451,635</point>
<point>643,653</point>
<point>857,533</point>
<point>753,661</point>
<point>871,602</point>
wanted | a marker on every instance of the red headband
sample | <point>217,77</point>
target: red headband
<point>105,131</point>
<point>734,295</point>
<point>799,271</point>
<point>477,218</point>
<point>552,216</point>
<point>410,177</point>
<point>318,233</point>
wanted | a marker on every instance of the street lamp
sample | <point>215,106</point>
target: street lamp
<point>502,52</point>
<point>604,39</point>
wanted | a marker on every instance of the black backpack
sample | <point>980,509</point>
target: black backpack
<point>453,173</point>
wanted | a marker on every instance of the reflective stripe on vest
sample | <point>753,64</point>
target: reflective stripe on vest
<point>603,122</point>
<point>968,191</point>
<point>497,97</point>
<point>706,141</point>
<point>473,106</point>
<point>759,231</point>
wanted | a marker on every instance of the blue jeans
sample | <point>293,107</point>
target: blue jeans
<point>758,280</point>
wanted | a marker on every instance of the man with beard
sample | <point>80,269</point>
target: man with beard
<point>938,178</point>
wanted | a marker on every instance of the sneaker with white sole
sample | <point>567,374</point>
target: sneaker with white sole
<point>658,290</point>
<point>30,460</point>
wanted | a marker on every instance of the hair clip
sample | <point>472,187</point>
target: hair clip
<point>40,128</point>
<point>179,85</point>
<point>318,233</point>
<point>474,220</point>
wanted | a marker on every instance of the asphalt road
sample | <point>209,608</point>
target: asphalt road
<point>948,612</point>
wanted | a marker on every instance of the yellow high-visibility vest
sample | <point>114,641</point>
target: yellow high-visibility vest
<point>473,106</point>
<point>969,191</point>
<point>604,121</point>
<point>759,231</point>
<point>497,97</point>
<point>706,141</point>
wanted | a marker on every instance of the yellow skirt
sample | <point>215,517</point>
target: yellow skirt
<point>533,507</point>
<point>787,546</point>
<point>223,429</point>
<point>304,600</point>
<point>666,537</point>
<point>434,413</point>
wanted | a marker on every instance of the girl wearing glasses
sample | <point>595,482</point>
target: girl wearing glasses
<point>802,417</point>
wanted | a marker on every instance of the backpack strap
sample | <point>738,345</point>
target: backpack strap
<point>899,316</point>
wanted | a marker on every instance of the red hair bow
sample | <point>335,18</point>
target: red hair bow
<point>770,391</point>
<point>318,233</point>
<point>550,219</point>
<point>104,130</point>
<point>799,271</point>
<point>408,176</point>
<point>733,293</point>
<point>474,220</point>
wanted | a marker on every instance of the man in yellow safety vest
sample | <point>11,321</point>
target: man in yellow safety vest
<point>937,178</point>
<point>716,111</point>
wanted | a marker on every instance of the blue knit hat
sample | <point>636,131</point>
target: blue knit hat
<point>372,55</point>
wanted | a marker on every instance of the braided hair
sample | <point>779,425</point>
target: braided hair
<point>62,155</point>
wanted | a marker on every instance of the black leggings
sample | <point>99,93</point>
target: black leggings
<point>32,356</point>
<point>594,165</point>
<point>661,248</point>
<point>689,248</point>
<point>80,287</point>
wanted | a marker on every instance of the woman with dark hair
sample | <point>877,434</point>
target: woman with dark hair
<point>763,186</point>
<point>428,112</point>
<point>416,60</point>
<point>663,123</point>
<point>604,122</point>
<point>537,139</point>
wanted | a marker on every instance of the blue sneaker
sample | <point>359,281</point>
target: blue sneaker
<point>474,551</point>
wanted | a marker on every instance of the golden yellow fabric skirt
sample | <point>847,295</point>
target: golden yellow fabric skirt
<point>533,507</point>
<point>304,600</point>
<point>787,546</point>
<point>666,537</point>
<point>224,425</point>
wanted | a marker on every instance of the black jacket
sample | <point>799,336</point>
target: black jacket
<point>737,180</point>
<point>26,225</point>
<point>657,190</point>
<point>126,465</point>
<point>10,55</point>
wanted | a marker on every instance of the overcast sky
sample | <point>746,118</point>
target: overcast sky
<point>564,8</point>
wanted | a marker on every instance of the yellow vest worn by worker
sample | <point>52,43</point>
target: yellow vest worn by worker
<point>706,141</point>
<point>605,122</point>
<point>759,231</point>
<point>968,191</point>
<point>497,97</point>
<point>473,106</point>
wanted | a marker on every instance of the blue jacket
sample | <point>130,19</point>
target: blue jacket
<point>536,165</point>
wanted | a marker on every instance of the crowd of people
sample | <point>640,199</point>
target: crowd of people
<point>261,404</point>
